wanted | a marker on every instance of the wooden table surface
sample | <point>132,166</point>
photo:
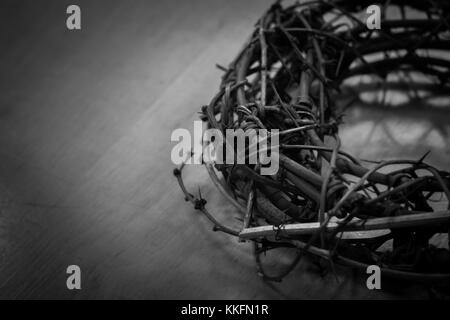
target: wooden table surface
<point>85,169</point>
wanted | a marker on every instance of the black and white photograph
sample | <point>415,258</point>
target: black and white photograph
<point>207,151</point>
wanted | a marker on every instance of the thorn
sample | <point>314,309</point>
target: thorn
<point>199,204</point>
<point>218,66</point>
<point>176,172</point>
<point>424,156</point>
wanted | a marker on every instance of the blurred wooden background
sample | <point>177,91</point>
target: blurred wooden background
<point>85,170</point>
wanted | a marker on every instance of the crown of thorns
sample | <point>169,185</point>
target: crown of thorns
<point>289,76</point>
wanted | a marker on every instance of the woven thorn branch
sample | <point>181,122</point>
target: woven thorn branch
<point>290,75</point>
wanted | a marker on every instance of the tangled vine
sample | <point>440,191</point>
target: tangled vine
<point>289,76</point>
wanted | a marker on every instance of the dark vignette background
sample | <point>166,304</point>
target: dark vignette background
<point>85,171</point>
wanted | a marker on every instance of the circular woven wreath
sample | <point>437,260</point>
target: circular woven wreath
<point>290,76</point>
